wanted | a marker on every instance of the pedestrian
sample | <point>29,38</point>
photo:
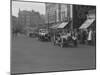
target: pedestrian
<point>81,36</point>
<point>94,37</point>
<point>74,40</point>
<point>84,37</point>
<point>54,38</point>
<point>74,37</point>
<point>89,37</point>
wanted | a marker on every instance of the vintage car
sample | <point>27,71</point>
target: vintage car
<point>62,40</point>
<point>44,34</point>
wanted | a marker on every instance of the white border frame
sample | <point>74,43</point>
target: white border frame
<point>5,37</point>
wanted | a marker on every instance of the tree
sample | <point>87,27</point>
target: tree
<point>15,26</point>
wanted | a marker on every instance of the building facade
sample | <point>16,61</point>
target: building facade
<point>52,13</point>
<point>56,12</point>
<point>30,18</point>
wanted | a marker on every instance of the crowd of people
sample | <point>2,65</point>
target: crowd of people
<point>82,36</point>
<point>87,36</point>
<point>79,36</point>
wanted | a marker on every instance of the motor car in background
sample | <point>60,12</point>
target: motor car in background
<point>33,34</point>
<point>44,34</point>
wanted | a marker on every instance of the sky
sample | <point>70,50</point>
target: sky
<point>38,7</point>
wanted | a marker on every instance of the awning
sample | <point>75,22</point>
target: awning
<point>87,23</point>
<point>54,26</point>
<point>62,25</point>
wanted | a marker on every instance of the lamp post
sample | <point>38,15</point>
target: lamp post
<point>48,20</point>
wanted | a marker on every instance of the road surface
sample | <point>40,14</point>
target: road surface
<point>32,55</point>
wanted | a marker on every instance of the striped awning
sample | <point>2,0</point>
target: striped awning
<point>62,25</point>
<point>54,26</point>
<point>87,23</point>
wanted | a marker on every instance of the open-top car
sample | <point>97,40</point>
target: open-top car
<point>44,34</point>
<point>62,40</point>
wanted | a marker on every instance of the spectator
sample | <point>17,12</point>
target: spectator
<point>74,37</point>
<point>90,37</point>
<point>94,37</point>
<point>84,36</point>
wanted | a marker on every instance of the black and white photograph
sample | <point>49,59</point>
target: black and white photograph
<point>52,37</point>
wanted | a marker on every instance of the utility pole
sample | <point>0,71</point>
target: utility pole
<point>59,9</point>
<point>47,15</point>
<point>68,11</point>
<point>48,20</point>
<point>55,16</point>
<point>71,17</point>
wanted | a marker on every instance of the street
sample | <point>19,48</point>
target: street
<point>32,55</point>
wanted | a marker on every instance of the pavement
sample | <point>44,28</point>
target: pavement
<point>31,55</point>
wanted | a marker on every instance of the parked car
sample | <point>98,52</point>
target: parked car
<point>44,34</point>
<point>62,40</point>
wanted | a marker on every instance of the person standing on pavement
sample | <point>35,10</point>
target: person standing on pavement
<point>89,37</point>
<point>74,37</point>
<point>94,37</point>
<point>84,37</point>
